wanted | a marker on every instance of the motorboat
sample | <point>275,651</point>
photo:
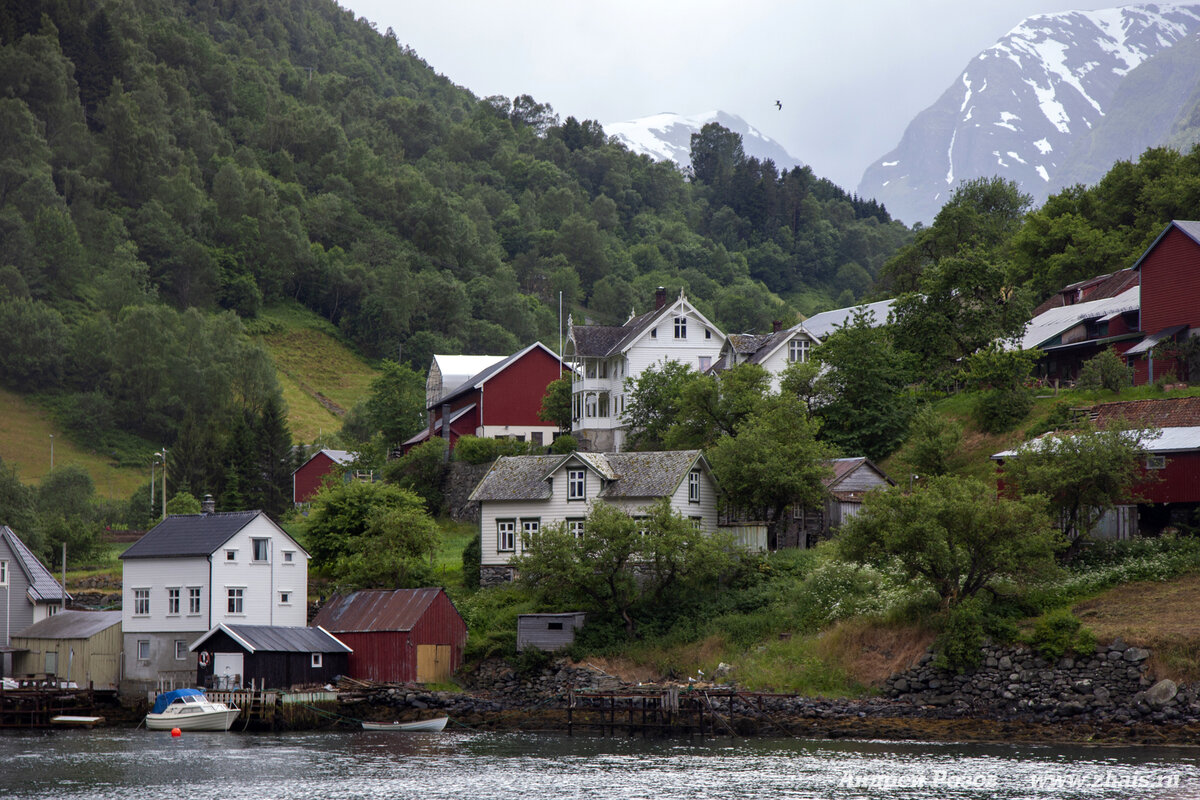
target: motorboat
<point>189,710</point>
<point>420,726</point>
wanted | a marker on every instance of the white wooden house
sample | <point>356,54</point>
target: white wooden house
<point>605,356</point>
<point>774,351</point>
<point>522,494</point>
<point>193,571</point>
<point>30,592</point>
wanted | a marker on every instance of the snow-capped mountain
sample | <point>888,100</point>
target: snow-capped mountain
<point>1019,106</point>
<point>668,137</point>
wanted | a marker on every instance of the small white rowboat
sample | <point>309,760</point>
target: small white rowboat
<point>421,726</point>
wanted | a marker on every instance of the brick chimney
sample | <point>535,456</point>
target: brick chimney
<point>776,325</point>
<point>660,297</point>
<point>208,505</point>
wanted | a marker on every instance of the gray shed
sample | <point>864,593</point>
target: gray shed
<point>548,632</point>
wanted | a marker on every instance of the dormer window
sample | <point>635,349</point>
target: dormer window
<point>576,484</point>
<point>694,486</point>
<point>798,350</point>
<point>681,327</point>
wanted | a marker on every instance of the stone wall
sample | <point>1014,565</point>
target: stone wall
<point>1110,684</point>
<point>461,480</point>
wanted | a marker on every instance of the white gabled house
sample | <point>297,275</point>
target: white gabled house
<point>604,356</point>
<point>773,351</point>
<point>31,594</point>
<point>522,494</point>
<point>192,572</point>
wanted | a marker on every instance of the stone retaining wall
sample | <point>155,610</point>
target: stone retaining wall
<point>461,480</point>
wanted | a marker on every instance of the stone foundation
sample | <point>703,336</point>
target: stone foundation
<point>496,576</point>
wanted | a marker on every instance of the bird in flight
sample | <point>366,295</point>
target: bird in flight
<point>779,104</point>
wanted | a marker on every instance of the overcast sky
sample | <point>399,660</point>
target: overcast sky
<point>851,73</point>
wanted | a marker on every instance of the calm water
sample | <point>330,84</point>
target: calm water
<point>510,766</point>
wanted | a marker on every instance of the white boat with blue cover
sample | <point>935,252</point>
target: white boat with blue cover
<point>189,710</point>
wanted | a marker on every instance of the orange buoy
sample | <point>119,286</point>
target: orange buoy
<point>176,732</point>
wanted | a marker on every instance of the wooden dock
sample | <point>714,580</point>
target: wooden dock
<point>33,706</point>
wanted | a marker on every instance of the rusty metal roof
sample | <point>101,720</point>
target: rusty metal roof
<point>375,610</point>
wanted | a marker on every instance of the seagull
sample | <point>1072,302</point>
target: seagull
<point>779,104</point>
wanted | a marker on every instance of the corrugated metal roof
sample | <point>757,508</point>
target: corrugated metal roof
<point>1095,288</point>
<point>277,639</point>
<point>42,586</point>
<point>1150,341</point>
<point>458,368</point>
<point>823,324</point>
<point>481,377</point>
<point>189,535</point>
<point>72,625</point>
<point>1164,440</point>
<point>1047,325</point>
<point>375,610</point>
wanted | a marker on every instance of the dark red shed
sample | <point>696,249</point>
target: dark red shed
<point>397,636</point>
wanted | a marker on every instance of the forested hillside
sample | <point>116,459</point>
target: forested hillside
<point>168,170</point>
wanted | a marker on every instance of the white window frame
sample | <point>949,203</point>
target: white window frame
<point>1156,461</point>
<point>230,555</point>
<point>575,527</point>
<point>181,650</point>
<point>798,350</point>
<point>235,600</point>
<point>4,573</point>
<point>530,529</point>
<point>260,547</point>
<point>289,556</point>
<point>285,597</point>
<point>694,486</point>
<point>141,602</point>
<point>173,601</point>
<point>195,597</point>
<point>576,484</point>
<point>143,649</point>
<point>506,535</point>
<point>317,660</point>
<point>681,327</point>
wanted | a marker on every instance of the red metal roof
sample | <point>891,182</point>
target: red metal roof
<point>375,610</point>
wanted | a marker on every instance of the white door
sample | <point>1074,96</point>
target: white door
<point>227,670</point>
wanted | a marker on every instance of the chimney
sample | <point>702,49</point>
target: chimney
<point>776,326</point>
<point>660,297</point>
<point>208,505</point>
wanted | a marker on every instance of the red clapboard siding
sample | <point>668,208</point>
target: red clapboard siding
<point>307,480</point>
<point>1171,283</point>
<point>514,395</point>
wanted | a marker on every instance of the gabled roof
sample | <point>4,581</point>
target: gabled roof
<point>1097,288</point>
<point>1058,320</point>
<point>42,586</point>
<point>647,474</point>
<point>274,639</point>
<point>340,457</point>
<point>825,323</point>
<point>773,341</point>
<point>477,380</point>
<point>845,467</point>
<point>72,625</point>
<point>1188,228</point>
<point>437,426</point>
<point>371,611</point>
<point>1165,440</point>
<point>192,535</point>
<point>1173,412</point>
<point>607,340</point>
<point>458,368</point>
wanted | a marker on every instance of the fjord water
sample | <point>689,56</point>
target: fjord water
<point>119,764</point>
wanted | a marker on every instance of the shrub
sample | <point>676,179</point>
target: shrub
<point>423,470</point>
<point>959,645</point>
<point>998,410</point>
<point>1105,370</point>
<point>472,557</point>
<point>564,444</point>
<point>477,450</point>
<point>1059,632</point>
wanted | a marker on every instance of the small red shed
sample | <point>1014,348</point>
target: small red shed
<point>397,636</point>
<point>310,476</point>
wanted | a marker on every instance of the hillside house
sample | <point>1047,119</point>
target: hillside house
<point>230,657</point>
<point>448,372</point>
<point>310,476</point>
<point>521,494</point>
<point>821,325</point>
<point>605,356</point>
<point>192,572</point>
<point>502,400</point>
<point>397,636</point>
<point>80,647</point>
<point>774,351</point>
<point>31,594</point>
<point>1170,302</point>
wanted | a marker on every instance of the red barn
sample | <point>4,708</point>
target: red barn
<point>501,401</point>
<point>400,636</point>
<point>308,479</point>
<point>1170,280</point>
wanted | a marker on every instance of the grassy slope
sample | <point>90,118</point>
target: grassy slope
<point>321,377</point>
<point>25,431</point>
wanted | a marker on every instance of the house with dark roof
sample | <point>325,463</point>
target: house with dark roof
<point>501,401</point>
<point>31,594</point>
<point>773,351</point>
<point>232,657</point>
<point>397,636</point>
<point>80,647</point>
<point>605,356</point>
<point>521,494</point>
<point>192,572</point>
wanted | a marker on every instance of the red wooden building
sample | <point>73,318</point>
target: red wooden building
<point>400,636</point>
<point>501,401</point>
<point>1170,302</point>
<point>309,477</point>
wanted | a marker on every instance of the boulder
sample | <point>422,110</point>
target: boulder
<point>1161,693</point>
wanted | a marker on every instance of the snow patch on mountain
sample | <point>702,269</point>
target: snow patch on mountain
<point>668,137</point>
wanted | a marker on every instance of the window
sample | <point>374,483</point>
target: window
<point>535,437</point>
<point>554,626</point>
<point>285,598</point>
<point>52,662</point>
<point>181,650</point>
<point>707,333</point>
<point>316,660</point>
<point>231,555</point>
<point>654,333</point>
<point>575,528</point>
<point>697,522</point>
<point>173,602</point>
<point>694,486</point>
<point>141,602</point>
<point>590,369</point>
<point>603,369</point>
<point>798,350</point>
<point>289,556</point>
<point>193,599</point>
<point>234,600</point>
<point>506,535</point>
<point>143,649</point>
<point>576,484</point>
<point>3,573</point>
<point>261,547</point>
<point>529,529</point>
<point>681,327</point>
<point>1156,462</point>
<point>705,363</point>
<point>602,404</point>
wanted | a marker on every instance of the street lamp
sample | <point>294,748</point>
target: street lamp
<point>52,452</point>
<point>163,455</point>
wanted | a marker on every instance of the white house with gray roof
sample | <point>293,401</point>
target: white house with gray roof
<point>605,356</point>
<point>774,351</point>
<point>192,572</point>
<point>522,494</point>
<point>30,592</point>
